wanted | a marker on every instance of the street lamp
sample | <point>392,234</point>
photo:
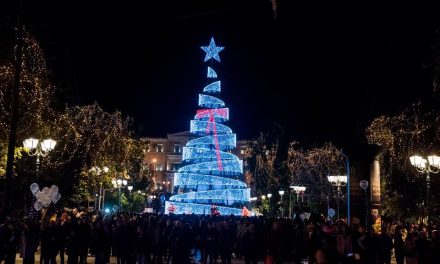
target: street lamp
<point>96,170</point>
<point>338,181</point>
<point>118,183</point>
<point>299,190</point>
<point>429,165</point>
<point>130,188</point>
<point>281,193</point>
<point>39,148</point>
<point>269,195</point>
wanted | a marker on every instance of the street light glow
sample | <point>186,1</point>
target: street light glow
<point>48,144</point>
<point>338,180</point>
<point>30,143</point>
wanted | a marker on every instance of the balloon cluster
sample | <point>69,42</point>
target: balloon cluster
<point>45,196</point>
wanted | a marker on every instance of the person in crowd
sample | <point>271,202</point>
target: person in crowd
<point>227,242</point>
<point>344,244</point>
<point>422,246</point>
<point>398,244</point>
<point>28,242</point>
<point>435,247</point>
<point>153,238</point>
<point>386,246</point>
<point>409,248</point>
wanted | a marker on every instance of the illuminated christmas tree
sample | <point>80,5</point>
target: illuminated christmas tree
<point>210,174</point>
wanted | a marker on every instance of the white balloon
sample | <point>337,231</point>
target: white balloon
<point>364,184</point>
<point>39,195</point>
<point>34,188</point>
<point>38,205</point>
<point>45,200</point>
<point>57,198</point>
<point>52,195</point>
<point>54,189</point>
<point>46,191</point>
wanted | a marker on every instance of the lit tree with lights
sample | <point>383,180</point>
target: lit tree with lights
<point>272,169</point>
<point>311,167</point>
<point>86,136</point>
<point>210,174</point>
<point>98,138</point>
<point>416,130</point>
<point>263,158</point>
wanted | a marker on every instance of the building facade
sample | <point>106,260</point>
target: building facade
<point>164,156</point>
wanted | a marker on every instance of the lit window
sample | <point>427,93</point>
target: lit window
<point>159,167</point>
<point>175,166</point>
<point>159,148</point>
<point>177,148</point>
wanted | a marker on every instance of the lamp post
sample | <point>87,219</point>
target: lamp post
<point>281,193</point>
<point>119,183</point>
<point>269,195</point>
<point>39,148</point>
<point>98,171</point>
<point>263,198</point>
<point>364,185</point>
<point>130,188</point>
<point>299,190</point>
<point>338,181</point>
<point>429,165</point>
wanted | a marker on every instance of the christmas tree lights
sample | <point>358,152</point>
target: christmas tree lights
<point>214,87</point>
<point>211,73</point>
<point>199,128</point>
<point>210,101</point>
<point>212,51</point>
<point>210,174</point>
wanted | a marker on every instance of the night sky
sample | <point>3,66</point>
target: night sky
<point>322,70</point>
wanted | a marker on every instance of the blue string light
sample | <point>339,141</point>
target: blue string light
<point>226,142</point>
<point>211,73</point>
<point>230,168</point>
<point>210,101</point>
<point>216,196</point>
<point>198,128</point>
<point>214,87</point>
<point>192,208</point>
<point>194,179</point>
<point>204,154</point>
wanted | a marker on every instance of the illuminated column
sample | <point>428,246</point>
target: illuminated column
<point>375,190</point>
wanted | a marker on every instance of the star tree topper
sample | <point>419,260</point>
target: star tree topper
<point>212,51</point>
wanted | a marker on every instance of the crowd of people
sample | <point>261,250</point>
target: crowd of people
<point>70,236</point>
